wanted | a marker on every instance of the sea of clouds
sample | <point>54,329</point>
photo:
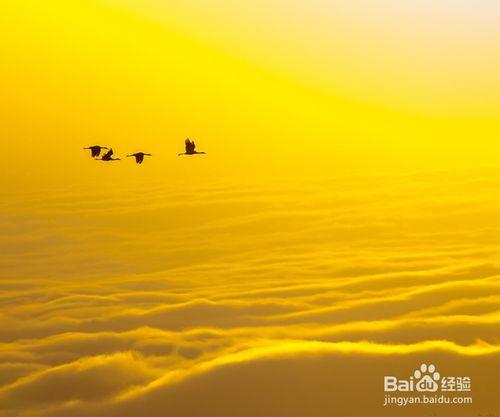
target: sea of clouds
<point>285,298</point>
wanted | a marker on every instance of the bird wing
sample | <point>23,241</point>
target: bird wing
<point>190,146</point>
<point>108,154</point>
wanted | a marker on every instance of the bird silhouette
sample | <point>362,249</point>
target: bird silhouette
<point>139,156</point>
<point>190,148</point>
<point>108,156</point>
<point>95,150</point>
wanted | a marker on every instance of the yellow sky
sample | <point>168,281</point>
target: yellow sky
<point>343,225</point>
<point>296,86</point>
<point>436,57</point>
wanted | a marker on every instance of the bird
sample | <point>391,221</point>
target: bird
<point>108,156</point>
<point>139,156</point>
<point>190,148</point>
<point>95,150</point>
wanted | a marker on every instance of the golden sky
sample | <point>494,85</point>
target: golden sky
<point>342,226</point>
<point>298,86</point>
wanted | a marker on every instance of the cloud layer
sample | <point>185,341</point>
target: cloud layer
<point>285,299</point>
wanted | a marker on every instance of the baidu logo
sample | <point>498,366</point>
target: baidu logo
<point>424,379</point>
<point>427,378</point>
<point>427,386</point>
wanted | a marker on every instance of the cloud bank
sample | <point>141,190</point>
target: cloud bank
<point>284,299</point>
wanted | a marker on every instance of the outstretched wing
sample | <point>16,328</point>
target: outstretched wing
<point>108,154</point>
<point>189,146</point>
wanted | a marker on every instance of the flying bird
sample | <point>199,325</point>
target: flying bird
<point>95,150</point>
<point>108,156</point>
<point>139,156</point>
<point>190,148</point>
